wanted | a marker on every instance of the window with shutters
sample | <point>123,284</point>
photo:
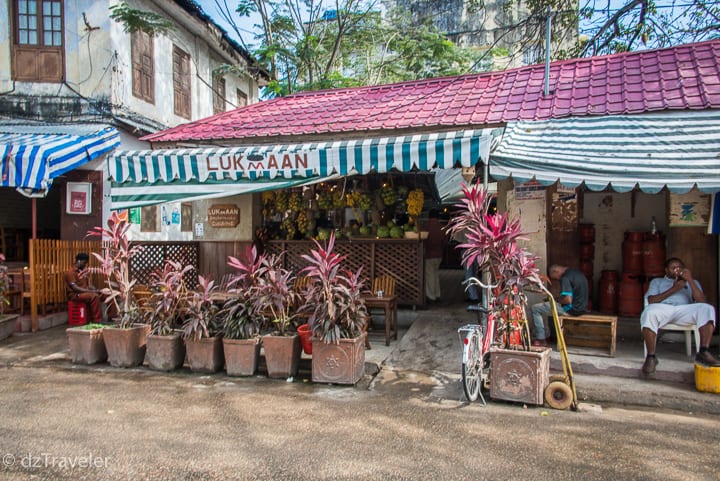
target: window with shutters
<point>37,48</point>
<point>181,83</point>
<point>218,84</point>
<point>143,66</point>
<point>241,98</point>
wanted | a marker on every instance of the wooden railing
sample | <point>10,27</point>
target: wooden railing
<point>50,259</point>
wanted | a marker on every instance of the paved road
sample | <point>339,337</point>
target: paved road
<point>138,425</point>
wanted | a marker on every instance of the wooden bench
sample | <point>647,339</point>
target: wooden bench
<point>590,330</point>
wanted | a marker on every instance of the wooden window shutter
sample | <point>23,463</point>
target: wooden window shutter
<point>218,95</point>
<point>38,53</point>
<point>181,83</point>
<point>242,99</point>
<point>143,66</point>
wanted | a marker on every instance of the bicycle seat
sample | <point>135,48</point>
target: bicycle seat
<point>477,308</point>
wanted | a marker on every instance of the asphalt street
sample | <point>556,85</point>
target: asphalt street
<point>103,423</point>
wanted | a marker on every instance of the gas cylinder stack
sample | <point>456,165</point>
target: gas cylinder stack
<point>643,259</point>
<point>587,255</point>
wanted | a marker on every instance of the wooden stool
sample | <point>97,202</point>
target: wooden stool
<point>590,330</point>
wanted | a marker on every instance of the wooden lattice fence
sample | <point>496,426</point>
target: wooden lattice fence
<point>153,255</point>
<point>402,259</point>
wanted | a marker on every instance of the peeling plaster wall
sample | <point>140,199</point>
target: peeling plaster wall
<point>203,62</point>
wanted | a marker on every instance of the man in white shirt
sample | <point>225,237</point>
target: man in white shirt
<point>677,298</point>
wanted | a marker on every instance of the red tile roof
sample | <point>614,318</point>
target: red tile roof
<point>682,77</point>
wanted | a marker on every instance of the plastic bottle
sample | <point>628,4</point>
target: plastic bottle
<point>164,219</point>
<point>175,215</point>
<point>653,231</point>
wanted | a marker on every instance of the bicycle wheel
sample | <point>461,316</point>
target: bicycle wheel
<point>472,368</point>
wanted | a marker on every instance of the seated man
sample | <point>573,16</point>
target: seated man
<point>677,298</point>
<point>79,287</point>
<point>573,299</point>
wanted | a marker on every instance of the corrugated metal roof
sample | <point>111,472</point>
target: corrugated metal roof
<point>678,78</point>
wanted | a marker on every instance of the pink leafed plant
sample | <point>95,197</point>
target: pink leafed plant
<point>115,266</point>
<point>491,244</point>
<point>333,298</point>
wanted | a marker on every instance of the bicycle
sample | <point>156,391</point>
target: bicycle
<point>477,340</point>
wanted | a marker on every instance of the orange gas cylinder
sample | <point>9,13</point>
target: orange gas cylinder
<point>586,233</point>
<point>587,251</point>
<point>630,300</point>
<point>632,252</point>
<point>608,291</point>
<point>586,266</point>
<point>654,255</point>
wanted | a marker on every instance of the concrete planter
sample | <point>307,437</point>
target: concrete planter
<point>165,353</point>
<point>519,376</point>
<point>241,356</point>
<point>126,347</point>
<point>342,363</point>
<point>282,355</point>
<point>205,355</point>
<point>7,325</point>
<point>86,345</point>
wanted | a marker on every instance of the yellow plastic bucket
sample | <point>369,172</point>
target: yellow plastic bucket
<point>707,379</point>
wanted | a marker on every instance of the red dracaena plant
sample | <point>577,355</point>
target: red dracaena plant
<point>275,293</point>
<point>201,314</point>
<point>490,244</point>
<point>115,267</point>
<point>169,298</point>
<point>241,315</point>
<point>333,297</point>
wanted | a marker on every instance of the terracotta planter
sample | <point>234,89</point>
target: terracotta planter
<point>305,334</point>
<point>165,353</point>
<point>7,325</point>
<point>519,376</point>
<point>205,355</point>
<point>126,347</point>
<point>86,345</point>
<point>282,355</point>
<point>241,356</point>
<point>342,363</point>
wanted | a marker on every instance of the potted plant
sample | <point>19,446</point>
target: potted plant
<point>125,342</point>
<point>201,331</point>
<point>337,316</point>
<point>276,298</point>
<point>87,345</point>
<point>241,316</point>
<point>7,321</point>
<point>166,308</point>
<point>492,245</point>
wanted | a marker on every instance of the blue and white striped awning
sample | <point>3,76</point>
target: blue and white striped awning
<point>155,176</point>
<point>678,151</point>
<point>32,156</point>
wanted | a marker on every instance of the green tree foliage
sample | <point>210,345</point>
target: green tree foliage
<point>619,26</point>
<point>133,20</point>
<point>306,47</point>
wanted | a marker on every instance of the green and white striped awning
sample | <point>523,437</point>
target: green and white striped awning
<point>678,151</point>
<point>156,176</point>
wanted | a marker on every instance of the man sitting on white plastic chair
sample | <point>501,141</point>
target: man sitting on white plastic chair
<point>677,298</point>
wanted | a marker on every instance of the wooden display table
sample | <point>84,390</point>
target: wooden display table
<point>590,330</point>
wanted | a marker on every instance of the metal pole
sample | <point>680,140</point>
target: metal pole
<point>548,24</point>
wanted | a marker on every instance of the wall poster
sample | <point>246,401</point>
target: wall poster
<point>691,209</point>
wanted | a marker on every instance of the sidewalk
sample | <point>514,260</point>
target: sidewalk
<point>428,351</point>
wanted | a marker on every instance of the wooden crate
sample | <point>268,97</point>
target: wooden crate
<point>590,330</point>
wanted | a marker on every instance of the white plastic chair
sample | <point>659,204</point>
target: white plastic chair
<point>674,327</point>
